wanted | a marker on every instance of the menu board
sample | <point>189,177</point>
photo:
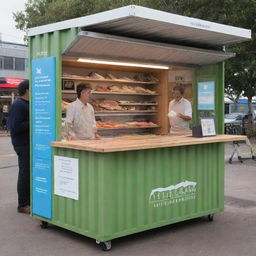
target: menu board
<point>43,132</point>
<point>208,126</point>
<point>206,95</point>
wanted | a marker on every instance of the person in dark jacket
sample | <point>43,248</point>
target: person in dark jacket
<point>18,123</point>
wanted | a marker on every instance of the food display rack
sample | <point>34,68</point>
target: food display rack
<point>156,98</point>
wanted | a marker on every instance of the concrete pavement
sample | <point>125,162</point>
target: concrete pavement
<point>232,233</point>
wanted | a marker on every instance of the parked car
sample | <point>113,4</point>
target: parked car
<point>234,123</point>
<point>235,118</point>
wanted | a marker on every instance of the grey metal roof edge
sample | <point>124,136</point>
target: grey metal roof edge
<point>147,13</point>
<point>142,12</point>
<point>145,42</point>
<point>83,21</point>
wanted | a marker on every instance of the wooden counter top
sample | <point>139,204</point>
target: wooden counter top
<point>138,142</point>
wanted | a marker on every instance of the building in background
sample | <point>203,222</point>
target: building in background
<point>13,60</point>
<point>240,107</point>
<point>13,70</point>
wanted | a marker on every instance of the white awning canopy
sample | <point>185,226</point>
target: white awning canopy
<point>95,45</point>
<point>153,25</point>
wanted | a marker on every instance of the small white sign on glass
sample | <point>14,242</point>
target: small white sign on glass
<point>208,126</point>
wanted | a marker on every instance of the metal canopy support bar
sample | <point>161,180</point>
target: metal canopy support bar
<point>93,45</point>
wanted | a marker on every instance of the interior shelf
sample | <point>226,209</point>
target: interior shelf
<point>112,93</point>
<point>138,104</point>
<point>108,80</point>
<point>126,113</point>
<point>124,93</point>
<point>125,128</point>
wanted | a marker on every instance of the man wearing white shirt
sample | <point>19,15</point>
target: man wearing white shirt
<point>180,112</point>
<point>80,120</point>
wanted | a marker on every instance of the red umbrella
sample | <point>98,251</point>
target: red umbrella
<point>10,82</point>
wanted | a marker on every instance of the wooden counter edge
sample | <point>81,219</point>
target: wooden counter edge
<point>175,143</point>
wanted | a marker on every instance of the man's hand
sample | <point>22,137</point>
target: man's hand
<point>97,136</point>
<point>186,118</point>
<point>179,115</point>
<point>72,138</point>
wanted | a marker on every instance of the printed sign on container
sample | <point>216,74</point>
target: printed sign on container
<point>206,95</point>
<point>43,132</point>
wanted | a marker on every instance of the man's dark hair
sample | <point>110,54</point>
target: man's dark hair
<point>82,87</point>
<point>179,88</point>
<point>23,86</point>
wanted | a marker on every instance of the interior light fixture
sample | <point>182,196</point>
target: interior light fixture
<point>119,63</point>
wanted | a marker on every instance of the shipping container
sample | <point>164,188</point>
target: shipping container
<point>137,177</point>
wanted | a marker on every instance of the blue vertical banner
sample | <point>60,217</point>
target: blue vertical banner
<point>43,133</point>
<point>206,95</point>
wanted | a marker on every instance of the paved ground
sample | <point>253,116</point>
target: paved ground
<point>232,233</point>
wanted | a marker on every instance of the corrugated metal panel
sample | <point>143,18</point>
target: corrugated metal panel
<point>115,188</point>
<point>48,45</point>
<point>144,23</point>
<point>93,45</point>
<point>42,46</point>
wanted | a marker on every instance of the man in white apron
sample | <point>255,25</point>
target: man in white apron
<point>180,112</point>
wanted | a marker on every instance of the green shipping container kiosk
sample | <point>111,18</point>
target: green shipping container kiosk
<point>137,177</point>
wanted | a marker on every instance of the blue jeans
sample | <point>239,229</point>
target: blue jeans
<point>23,184</point>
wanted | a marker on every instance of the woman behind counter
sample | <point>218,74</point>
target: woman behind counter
<point>80,120</point>
<point>180,112</point>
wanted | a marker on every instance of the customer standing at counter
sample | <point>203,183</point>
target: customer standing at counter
<point>18,123</point>
<point>180,112</point>
<point>80,120</point>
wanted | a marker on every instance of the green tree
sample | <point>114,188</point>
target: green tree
<point>233,82</point>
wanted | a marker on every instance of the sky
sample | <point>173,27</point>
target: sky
<point>8,32</point>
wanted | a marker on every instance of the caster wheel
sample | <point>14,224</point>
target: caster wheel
<point>210,217</point>
<point>44,224</point>
<point>105,246</point>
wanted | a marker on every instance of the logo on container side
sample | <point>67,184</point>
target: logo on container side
<point>181,192</point>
